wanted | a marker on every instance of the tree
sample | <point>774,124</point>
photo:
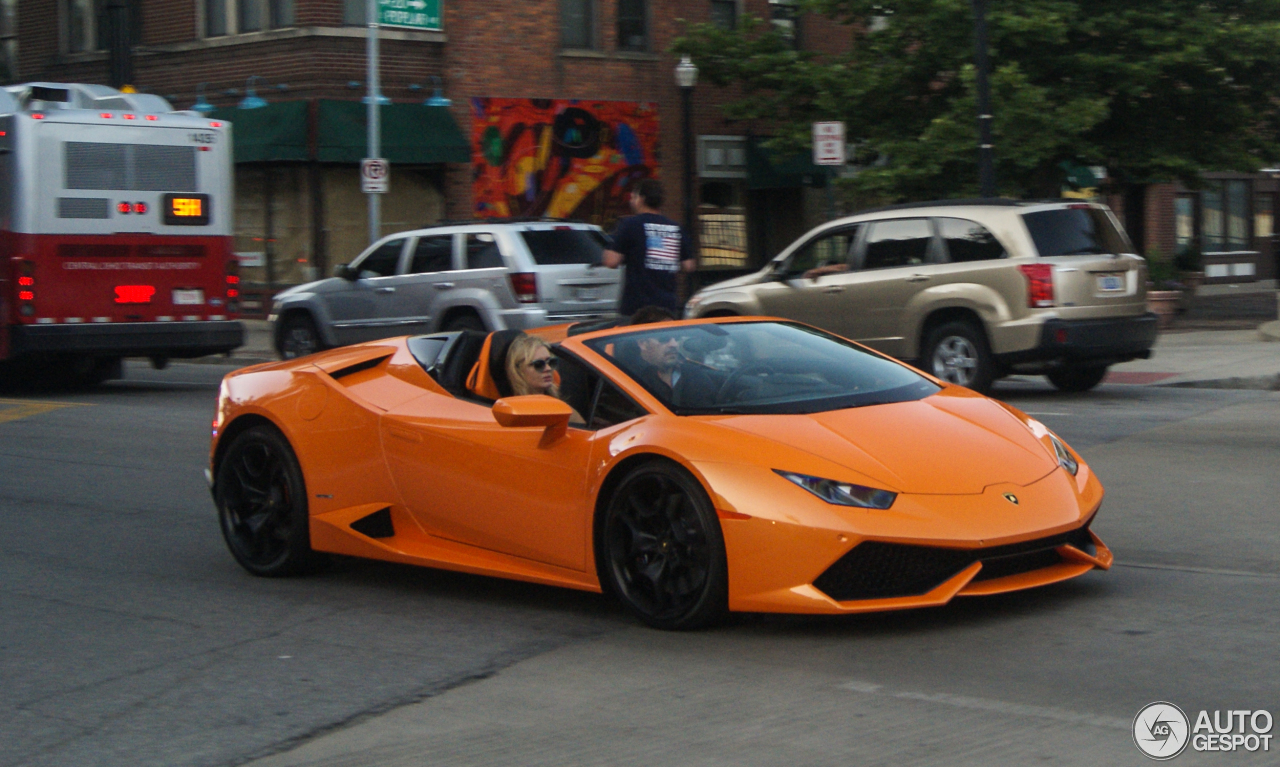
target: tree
<point>1152,91</point>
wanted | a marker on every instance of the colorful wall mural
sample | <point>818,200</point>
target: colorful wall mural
<point>561,158</point>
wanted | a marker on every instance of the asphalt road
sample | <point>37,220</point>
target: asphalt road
<point>128,636</point>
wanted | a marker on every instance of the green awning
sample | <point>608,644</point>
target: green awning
<point>412,134</point>
<point>277,131</point>
<point>767,169</point>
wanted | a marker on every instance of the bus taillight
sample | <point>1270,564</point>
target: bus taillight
<point>233,284</point>
<point>26,287</point>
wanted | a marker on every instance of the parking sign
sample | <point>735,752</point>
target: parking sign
<point>375,176</point>
<point>828,143</point>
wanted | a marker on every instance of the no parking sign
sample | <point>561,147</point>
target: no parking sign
<point>375,176</point>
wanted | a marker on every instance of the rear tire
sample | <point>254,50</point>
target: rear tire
<point>298,337</point>
<point>465,322</point>
<point>661,551</point>
<point>262,505</point>
<point>957,352</point>
<point>1077,378</point>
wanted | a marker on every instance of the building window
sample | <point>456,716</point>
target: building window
<point>1184,222</point>
<point>353,13</point>
<point>8,41</point>
<point>577,23</point>
<point>230,17</point>
<point>633,25</point>
<point>1211,217</point>
<point>87,24</point>
<point>1237,208</point>
<point>82,24</point>
<point>724,13</point>
<point>785,15</point>
<point>1264,205</point>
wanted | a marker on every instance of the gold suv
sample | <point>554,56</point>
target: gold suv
<point>968,290</point>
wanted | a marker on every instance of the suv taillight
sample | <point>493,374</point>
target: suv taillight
<point>233,285</point>
<point>26,287</point>
<point>1039,285</point>
<point>525,286</point>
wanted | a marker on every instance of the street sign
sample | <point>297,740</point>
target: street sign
<point>410,14</point>
<point>828,143</point>
<point>375,176</point>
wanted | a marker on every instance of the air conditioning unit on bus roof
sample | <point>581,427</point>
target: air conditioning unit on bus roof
<point>47,97</point>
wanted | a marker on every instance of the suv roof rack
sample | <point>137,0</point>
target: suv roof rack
<point>506,220</point>
<point>996,202</point>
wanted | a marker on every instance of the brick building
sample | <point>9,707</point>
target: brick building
<point>299,209</point>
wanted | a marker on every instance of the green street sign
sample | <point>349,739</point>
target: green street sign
<point>410,14</point>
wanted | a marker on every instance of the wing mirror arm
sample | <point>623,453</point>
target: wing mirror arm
<point>535,410</point>
<point>345,272</point>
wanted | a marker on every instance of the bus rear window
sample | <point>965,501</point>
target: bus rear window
<point>1075,232</point>
<point>564,245</point>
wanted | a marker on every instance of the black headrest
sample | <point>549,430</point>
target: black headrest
<point>498,346</point>
<point>457,364</point>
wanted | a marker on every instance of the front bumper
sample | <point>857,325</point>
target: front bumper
<point>1103,341</point>
<point>178,340</point>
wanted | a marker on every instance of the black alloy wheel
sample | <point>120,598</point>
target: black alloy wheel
<point>661,550</point>
<point>957,353</point>
<point>299,337</point>
<point>262,505</point>
<point>1076,377</point>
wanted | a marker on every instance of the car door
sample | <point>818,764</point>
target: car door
<point>812,300</point>
<point>358,309</point>
<point>429,275</point>
<point>893,262</point>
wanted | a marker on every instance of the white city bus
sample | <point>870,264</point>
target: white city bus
<point>115,230</point>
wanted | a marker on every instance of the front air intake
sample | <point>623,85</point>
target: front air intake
<point>878,570</point>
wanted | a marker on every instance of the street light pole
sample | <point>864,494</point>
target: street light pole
<point>372,127</point>
<point>686,79</point>
<point>986,149</point>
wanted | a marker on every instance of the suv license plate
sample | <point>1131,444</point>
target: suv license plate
<point>1110,283</point>
<point>188,297</point>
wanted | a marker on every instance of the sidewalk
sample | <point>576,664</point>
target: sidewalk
<point>1202,358</point>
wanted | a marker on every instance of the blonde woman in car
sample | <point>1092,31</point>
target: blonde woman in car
<point>531,369</point>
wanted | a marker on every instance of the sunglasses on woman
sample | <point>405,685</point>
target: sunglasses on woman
<point>543,364</point>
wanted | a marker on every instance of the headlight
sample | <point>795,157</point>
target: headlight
<point>842,493</point>
<point>1064,456</point>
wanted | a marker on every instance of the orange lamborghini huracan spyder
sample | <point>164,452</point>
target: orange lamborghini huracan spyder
<point>690,468</point>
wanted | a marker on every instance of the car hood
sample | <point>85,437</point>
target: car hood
<point>326,285</point>
<point>949,443</point>
<point>736,282</point>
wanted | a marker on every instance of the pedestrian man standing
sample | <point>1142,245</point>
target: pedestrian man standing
<point>653,248</point>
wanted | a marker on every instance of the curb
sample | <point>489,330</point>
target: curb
<point>1269,331</point>
<point>1256,383</point>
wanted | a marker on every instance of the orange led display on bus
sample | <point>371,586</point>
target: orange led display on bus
<point>186,209</point>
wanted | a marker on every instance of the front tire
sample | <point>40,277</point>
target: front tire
<point>957,353</point>
<point>661,550</point>
<point>262,505</point>
<point>1077,378</point>
<point>299,337</point>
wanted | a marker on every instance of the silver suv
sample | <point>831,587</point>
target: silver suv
<point>968,290</point>
<point>491,275</point>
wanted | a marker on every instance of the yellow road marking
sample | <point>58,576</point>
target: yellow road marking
<point>22,408</point>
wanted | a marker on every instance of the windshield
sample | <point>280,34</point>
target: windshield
<point>1080,231</point>
<point>758,367</point>
<point>564,245</point>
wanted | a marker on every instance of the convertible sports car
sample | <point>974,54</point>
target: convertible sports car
<point>731,464</point>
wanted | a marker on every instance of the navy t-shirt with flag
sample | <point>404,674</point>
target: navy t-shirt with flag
<point>652,247</point>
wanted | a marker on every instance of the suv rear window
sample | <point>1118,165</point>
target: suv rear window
<point>564,245</point>
<point>1075,232</point>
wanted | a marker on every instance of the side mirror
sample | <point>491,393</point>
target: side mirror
<point>778,271</point>
<point>345,272</point>
<point>534,410</point>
